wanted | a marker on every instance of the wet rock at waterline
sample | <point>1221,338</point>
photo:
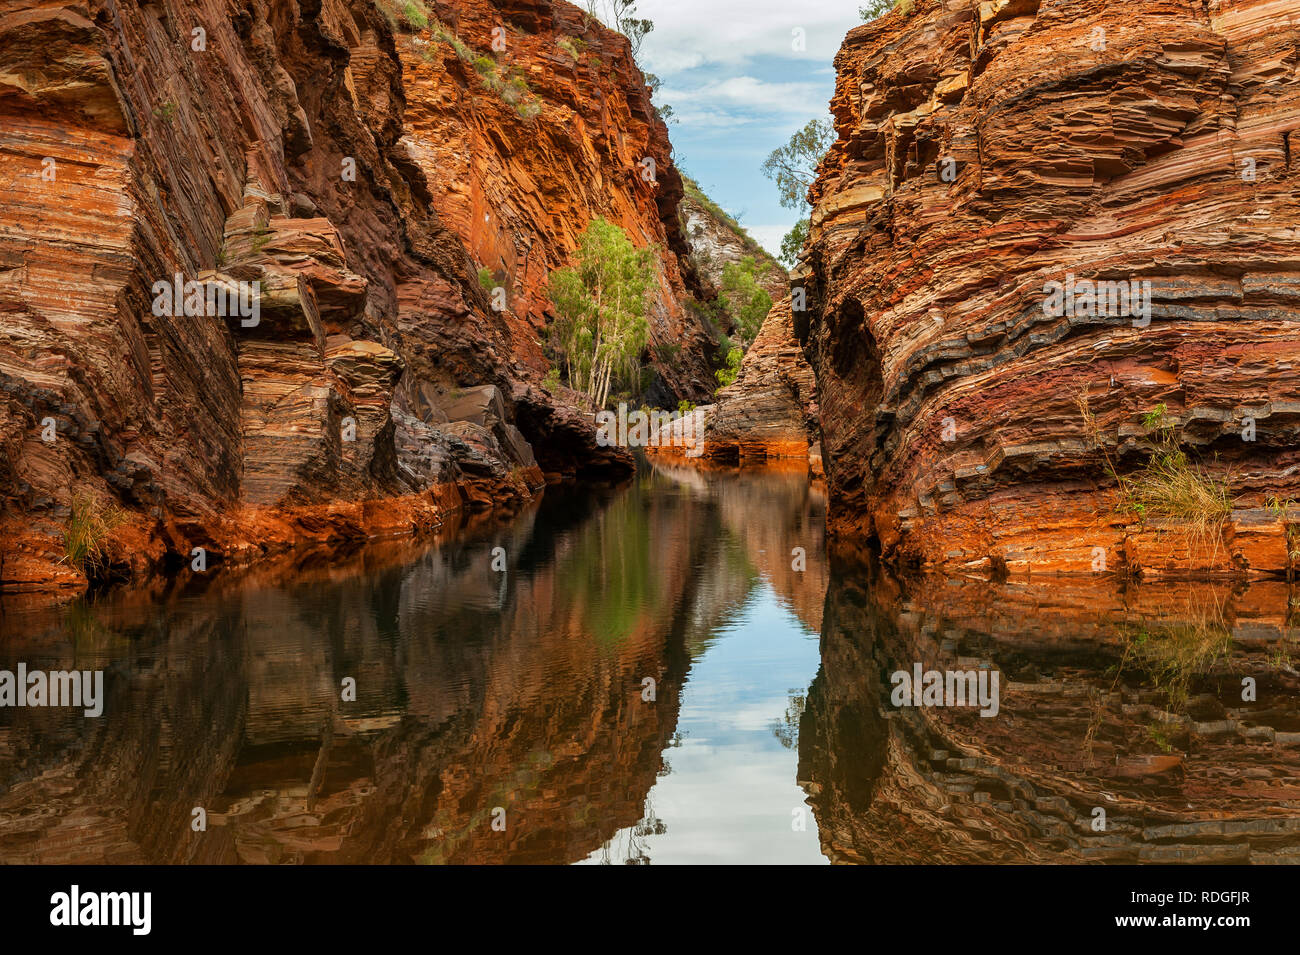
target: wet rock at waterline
<point>994,157</point>
<point>397,220</point>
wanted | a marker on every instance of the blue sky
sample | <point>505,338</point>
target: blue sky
<point>738,89</point>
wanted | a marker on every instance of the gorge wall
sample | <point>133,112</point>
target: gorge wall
<point>379,176</point>
<point>769,413</point>
<point>986,150</point>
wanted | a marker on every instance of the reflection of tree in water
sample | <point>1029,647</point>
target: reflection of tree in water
<point>786,729</point>
<point>631,846</point>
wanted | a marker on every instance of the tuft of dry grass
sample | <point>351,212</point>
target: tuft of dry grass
<point>1170,486</point>
<point>85,534</point>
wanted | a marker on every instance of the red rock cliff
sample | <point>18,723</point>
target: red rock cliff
<point>360,172</point>
<point>987,150</point>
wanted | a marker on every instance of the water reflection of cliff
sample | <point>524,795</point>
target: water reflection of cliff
<point>523,690</point>
<point>767,513</point>
<point>1126,700</point>
<point>474,690</point>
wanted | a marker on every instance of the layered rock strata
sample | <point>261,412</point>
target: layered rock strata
<point>528,120</point>
<point>350,174</point>
<point>989,150</point>
<point>770,410</point>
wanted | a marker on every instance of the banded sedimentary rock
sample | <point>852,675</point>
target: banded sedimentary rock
<point>989,150</point>
<point>529,119</point>
<point>352,169</point>
<point>770,410</point>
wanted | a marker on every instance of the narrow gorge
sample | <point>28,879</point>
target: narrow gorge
<point>379,189</point>
<point>439,467</point>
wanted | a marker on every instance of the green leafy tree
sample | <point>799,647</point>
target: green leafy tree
<point>746,302</point>
<point>732,357</point>
<point>793,167</point>
<point>600,303</point>
<point>792,243</point>
<point>663,110</point>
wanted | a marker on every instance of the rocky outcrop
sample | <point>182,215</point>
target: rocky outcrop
<point>717,240</point>
<point>770,410</point>
<point>528,120</point>
<point>988,150</point>
<point>348,173</point>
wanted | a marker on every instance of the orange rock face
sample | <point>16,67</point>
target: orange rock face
<point>161,170</point>
<point>518,163</point>
<point>770,410</point>
<point>978,391</point>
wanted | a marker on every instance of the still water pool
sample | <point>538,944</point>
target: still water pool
<point>674,671</point>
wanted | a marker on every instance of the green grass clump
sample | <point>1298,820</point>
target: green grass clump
<point>1170,486</point>
<point>408,15</point>
<point>572,45</point>
<point>86,532</point>
<point>507,82</point>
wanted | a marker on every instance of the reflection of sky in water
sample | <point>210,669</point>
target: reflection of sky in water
<point>522,690</point>
<point>731,792</point>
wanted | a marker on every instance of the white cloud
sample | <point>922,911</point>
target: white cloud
<point>738,89</point>
<point>773,101</point>
<point>731,32</point>
<point>674,61</point>
<point>769,236</point>
<point>712,118</point>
